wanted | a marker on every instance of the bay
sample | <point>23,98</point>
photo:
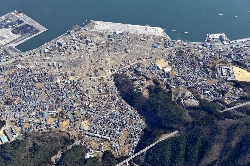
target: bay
<point>198,17</point>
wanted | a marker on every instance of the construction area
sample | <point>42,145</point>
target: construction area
<point>241,74</point>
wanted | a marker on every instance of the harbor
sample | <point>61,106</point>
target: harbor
<point>16,28</point>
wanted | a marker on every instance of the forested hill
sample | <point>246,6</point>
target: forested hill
<point>36,149</point>
<point>207,137</point>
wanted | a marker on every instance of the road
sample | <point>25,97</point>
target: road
<point>148,147</point>
<point>237,106</point>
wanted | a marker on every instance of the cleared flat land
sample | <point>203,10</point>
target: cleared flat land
<point>64,125</point>
<point>138,29</point>
<point>16,28</point>
<point>241,74</point>
<point>6,36</point>
<point>161,63</point>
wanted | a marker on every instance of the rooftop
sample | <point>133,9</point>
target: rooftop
<point>4,139</point>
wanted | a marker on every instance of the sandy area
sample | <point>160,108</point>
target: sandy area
<point>64,125</point>
<point>39,85</point>
<point>1,133</point>
<point>95,144</point>
<point>26,125</point>
<point>124,149</point>
<point>145,93</point>
<point>211,82</point>
<point>147,30</point>
<point>85,124</point>
<point>241,74</point>
<point>50,120</point>
<point>161,63</point>
<point>173,73</point>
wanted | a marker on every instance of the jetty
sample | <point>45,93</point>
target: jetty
<point>16,28</point>
<point>119,27</point>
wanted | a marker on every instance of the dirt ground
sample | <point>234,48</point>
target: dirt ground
<point>107,145</point>
<point>241,74</point>
<point>58,155</point>
<point>85,124</point>
<point>161,63</point>
<point>145,91</point>
<point>211,82</point>
<point>124,149</point>
<point>1,133</point>
<point>178,93</point>
<point>50,120</point>
<point>64,125</point>
<point>26,125</point>
<point>173,73</point>
<point>95,144</point>
<point>39,85</point>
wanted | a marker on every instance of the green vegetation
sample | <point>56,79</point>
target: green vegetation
<point>201,128</point>
<point>237,152</point>
<point>34,152</point>
<point>199,133</point>
<point>244,85</point>
<point>127,90</point>
<point>240,64</point>
<point>93,161</point>
<point>108,159</point>
<point>74,156</point>
<point>158,109</point>
<point>187,149</point>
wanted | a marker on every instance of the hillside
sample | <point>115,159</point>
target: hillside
<point>36,149</point>
<point>207,137</point>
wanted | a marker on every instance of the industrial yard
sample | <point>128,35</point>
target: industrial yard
<point>16,28</point>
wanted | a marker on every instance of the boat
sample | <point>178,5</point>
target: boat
<point>236,16</point>
<point>220,14</point>
<point>185,32</point>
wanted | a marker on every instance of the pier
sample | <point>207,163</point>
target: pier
<point>118,27</point>
<point>16,28</point>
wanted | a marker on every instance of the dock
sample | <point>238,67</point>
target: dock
<point>119,27</point>
<point>16,28</point>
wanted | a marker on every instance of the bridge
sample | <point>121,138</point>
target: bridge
<point>148,147</point>
<point>237,106</point>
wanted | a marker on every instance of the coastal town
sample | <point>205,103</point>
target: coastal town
<point>67,84</point>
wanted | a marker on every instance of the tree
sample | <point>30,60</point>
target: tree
<point>74,156</point>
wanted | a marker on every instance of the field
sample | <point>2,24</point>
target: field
<point>1,133</point>
<point>64,125</point>
<point>26,125</point>
<point>241,74</point>
<point>50,120</point>
<point>85,124</point>
<point>161,63</point>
